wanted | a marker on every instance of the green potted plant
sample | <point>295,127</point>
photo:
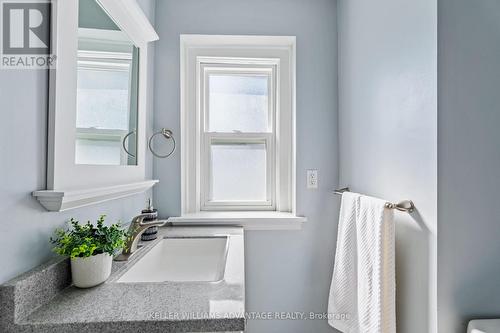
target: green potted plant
<point>91,249</point>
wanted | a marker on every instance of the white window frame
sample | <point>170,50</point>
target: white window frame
<point>226,66</point>
<point>277,52</point>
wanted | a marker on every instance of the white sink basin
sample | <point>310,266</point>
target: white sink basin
<point>200,259</point>
<point>484,326</point>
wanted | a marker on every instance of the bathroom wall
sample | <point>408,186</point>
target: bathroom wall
<point>25,226</point>
<point>285,270</point>
<point>388,133</point>
<point>469,162</point>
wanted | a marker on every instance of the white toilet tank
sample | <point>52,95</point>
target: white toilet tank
<point>484,326</point>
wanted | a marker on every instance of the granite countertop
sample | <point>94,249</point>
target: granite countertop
<point>138,307</point>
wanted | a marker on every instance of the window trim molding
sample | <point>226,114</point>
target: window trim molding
<point>258,220</point>
<point>193,47</point>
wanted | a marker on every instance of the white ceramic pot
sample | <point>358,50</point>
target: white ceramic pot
<point>91,271</point>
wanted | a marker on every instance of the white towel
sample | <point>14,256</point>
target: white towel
<point>362,293</point>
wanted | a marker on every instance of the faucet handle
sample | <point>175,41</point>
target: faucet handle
<point>139,221</point>
<point>158,223</point>
<point>139,218</point>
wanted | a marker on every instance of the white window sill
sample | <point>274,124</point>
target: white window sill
<point>248,220</point>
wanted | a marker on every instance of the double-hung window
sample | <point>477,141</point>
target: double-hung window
<point>237,124</point>
<point>237,99</point>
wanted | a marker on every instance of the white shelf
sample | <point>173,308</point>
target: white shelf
<point>250,220</point>
<point>61,200</point>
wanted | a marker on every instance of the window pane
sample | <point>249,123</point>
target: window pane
<point>102,99</point>
<point>238,103</point>
<point>98,152</point>
<point>238,172</point>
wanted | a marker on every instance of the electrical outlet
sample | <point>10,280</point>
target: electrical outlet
<point>312,179</point>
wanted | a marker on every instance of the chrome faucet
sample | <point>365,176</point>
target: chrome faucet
<point>137,227</point>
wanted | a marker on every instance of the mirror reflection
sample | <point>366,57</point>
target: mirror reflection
<point>107,65</point>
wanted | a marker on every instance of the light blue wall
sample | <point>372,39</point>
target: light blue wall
<point>92,16</point>
<point>25,226</point>
<point>469,162</point>
<point>285,271</point>
<point>388,133</point>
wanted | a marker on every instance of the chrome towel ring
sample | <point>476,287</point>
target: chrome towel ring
<point>167,134</point>
<point>124,145</point>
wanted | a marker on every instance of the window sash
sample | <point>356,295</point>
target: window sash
<point>206,179</point>
<point>238,70</point>
<point>103,135</point>
<point>236,137</point>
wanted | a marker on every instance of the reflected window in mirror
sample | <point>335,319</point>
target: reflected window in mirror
<point>107,88</point>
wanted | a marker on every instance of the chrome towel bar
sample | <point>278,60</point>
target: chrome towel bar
<point>403,206</point>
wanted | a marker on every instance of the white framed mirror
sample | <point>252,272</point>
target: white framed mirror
<point>98,104</point>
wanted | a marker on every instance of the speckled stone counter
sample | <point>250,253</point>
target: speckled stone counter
<point>43,300</point>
